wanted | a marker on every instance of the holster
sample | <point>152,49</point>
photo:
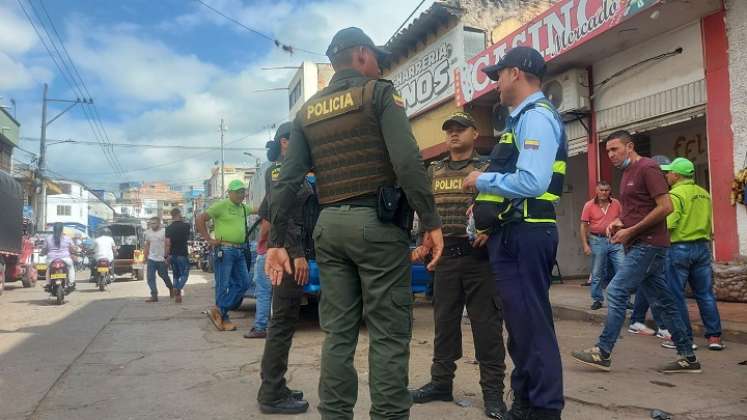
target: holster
<point>392,207</point>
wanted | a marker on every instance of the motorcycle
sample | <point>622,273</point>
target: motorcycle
<point>103,274</point>
<point>58,284</point>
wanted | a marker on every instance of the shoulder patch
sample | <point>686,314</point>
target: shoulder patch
<point>398,100</point>
<point>276,173</point>
<point>531,144</point>
<point>333,105</point>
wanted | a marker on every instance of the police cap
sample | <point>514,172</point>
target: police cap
<point>525,59</point>
<point>461,118</point>
<point>354,37</point>
<point>284,131</point>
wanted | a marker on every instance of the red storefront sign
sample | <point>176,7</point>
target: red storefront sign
<point>564,26</point>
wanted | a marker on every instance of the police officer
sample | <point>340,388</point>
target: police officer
<point>356,135</point>
<point>463,277</point>
<point>274,396</point>
<point>516,203</point>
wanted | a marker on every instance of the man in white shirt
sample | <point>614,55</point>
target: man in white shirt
<point>156,249</point>
<point>104,246</point>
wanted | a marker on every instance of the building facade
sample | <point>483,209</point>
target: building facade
<point>151,199</point>
<point>309,79</point>
<point>9,131</point>
<point>213,188</point>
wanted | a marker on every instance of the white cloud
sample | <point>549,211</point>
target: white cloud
<point>16,35</point>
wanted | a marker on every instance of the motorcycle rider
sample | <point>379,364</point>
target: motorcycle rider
<point>104,247</point>
<point>60,246</point>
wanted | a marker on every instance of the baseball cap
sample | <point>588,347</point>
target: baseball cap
<point>354,37</point>
<point>680,166</point>
<point>236,185</point>
<point>525,59</point>
<point>284,131</point>
<point>461,118</point>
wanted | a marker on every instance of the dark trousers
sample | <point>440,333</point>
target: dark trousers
<point>286,307</point>
<point>522,256</point>
<point>459,281</point>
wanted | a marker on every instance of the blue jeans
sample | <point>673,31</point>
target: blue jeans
<point>180,269</point>
<point>263,293</point>
<point>163,273</point>
<point>691,263</point>
<point>603,255</point>
<point>641,307</point>
<point>643,270</point>
<point>231,278</point>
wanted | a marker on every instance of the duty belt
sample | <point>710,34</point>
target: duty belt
<point>457,247</point>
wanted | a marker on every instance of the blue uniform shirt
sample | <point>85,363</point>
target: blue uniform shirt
<point>536,157</point>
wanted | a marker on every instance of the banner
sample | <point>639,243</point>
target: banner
<point>564,26</point>
<point>426,79</point>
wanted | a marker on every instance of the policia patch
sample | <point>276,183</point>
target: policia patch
<point>334,105</point>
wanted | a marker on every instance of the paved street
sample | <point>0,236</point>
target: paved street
<point>110,355</point>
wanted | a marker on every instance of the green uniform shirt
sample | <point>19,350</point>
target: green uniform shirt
<point>230,224</point>
<point>691,218</point>
<point>400,143</point>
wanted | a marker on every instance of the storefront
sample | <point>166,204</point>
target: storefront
<point>615,64</point>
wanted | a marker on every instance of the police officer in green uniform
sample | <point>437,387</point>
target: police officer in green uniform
<point>463,277</point>
<point>356,135</point>
<point>274,396</point>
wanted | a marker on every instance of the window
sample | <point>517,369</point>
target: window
<point>63,210</point>
<point>295,95</point>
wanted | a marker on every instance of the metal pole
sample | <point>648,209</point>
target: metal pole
<point>222,167</point>
<point>41,223</point>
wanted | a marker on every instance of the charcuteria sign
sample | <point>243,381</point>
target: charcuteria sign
<point>564,26</point>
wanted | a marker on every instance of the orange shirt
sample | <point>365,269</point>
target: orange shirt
<point>597,218</point>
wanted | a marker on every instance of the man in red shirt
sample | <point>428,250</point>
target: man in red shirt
<point>642,230</point>
<point>596,216</point>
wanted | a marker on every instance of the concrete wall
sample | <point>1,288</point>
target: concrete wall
<point>736,32</point>
<point>571,258</point>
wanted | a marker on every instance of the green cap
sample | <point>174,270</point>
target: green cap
<point>680,166</point>
<point>236,185</point>
<point>354,37</point>
<point>461,118</point>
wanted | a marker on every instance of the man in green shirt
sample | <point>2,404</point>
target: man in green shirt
<point>229,252</point>
<point>689,257</point>
<point>356,136</point>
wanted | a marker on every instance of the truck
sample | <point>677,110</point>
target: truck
<point>16,249</point>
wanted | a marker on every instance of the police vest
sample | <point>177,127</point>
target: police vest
<point>347,148</point>
<point>451,201</point>
<point>493,210</point>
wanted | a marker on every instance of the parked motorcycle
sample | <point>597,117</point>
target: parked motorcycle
<point>103,274</point>
<point>58,284</point>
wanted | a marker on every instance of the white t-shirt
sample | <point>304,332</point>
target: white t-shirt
<point>103,248</point>
<point>157,242</point>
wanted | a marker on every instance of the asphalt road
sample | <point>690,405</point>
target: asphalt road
<point>110,355</point>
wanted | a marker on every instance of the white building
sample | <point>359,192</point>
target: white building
<point>70,207</point>
<point>214,190</point>
<point>308,80</point>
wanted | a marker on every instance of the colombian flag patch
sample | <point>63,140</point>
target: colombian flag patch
<point>532,144</point>
<point>398,100</point>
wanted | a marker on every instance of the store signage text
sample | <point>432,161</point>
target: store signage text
<point>564,26</point>
<point>426,79</point>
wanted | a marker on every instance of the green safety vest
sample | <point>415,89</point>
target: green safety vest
<point>492,210</point>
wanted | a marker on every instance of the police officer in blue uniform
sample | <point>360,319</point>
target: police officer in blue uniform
<point>516,204</point>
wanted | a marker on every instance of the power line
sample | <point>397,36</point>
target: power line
<point>285,47</point>
<point>144,145</point>
<point>406,20</point>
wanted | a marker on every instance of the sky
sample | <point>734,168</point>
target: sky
<point>165,72</point>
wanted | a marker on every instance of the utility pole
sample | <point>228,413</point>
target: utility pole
<point>222,129</point>
<point>41,200</point>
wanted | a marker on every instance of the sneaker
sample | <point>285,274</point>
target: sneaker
<point>681,365</point>
<point>495,409</point>
<point>596,305</point>
<point>714,343</point>
<point>287,406</point>
<point>640,329</point>
<point>228,325</point>
<point>663,334</point>
<point>152,299</point>
<point>630,306</point>
<point>216,317</point>
<point>255,333</point>
<point>669,344</point>
<point>593,357</point>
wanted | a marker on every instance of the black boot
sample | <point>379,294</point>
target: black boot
<point>495,409</point>
<point>431,392</point>
<point>544,414</point>
<point>287,406</point>
<point>520,410</point>
<point>295,394</point>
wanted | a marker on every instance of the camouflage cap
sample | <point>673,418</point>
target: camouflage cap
<point>461,118</point>
<point>354,37</point>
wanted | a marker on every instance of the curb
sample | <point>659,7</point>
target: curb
<point>729,331</point>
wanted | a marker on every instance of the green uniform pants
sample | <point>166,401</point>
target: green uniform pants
<point>459,281</point>
<point>365,272</point>
<point>286,307</point>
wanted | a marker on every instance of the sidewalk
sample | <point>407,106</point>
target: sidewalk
<point>571,301</point>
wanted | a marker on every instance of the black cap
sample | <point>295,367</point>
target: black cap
<point>461,118</point>
<point>525,59</point>
<point>284,131</point>
<point>354,37</point>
